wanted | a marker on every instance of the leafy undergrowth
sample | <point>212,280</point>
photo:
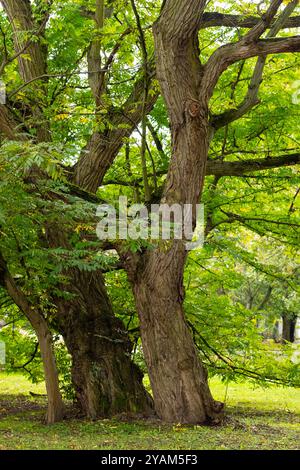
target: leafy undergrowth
<point>255,419</point>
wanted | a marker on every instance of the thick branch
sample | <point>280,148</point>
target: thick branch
<point>8,125</point>
<point>265,22</point>
<point>251,99</point>
<point>23,25</point>
<point>230,53</point>
<point>7,281</point>
<point>232,217</point>
<point>103,148</point>
<point>214,19</point>
<point>221,168</point>
<point>239,168</point>
<point>180,19</point>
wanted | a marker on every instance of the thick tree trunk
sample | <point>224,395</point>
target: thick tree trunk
<point>21,20</point>
<point>105,379</point>
<point>177,376</point>
<point>178,379</point>
<point>288,328</point>
<point>104,376</point>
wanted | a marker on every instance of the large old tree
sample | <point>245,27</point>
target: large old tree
<point>105,379</point>
<point>178,379</point>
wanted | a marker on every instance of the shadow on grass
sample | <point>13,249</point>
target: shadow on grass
<point>245,411</point>
<point>34,407</point>
<point>15,404</point>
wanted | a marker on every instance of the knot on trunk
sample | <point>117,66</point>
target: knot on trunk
<point>193,108</point>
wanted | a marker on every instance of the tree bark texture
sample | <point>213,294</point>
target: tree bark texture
<point>178,378</point>
<point>106,380</point>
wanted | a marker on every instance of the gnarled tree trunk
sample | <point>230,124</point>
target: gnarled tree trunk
<point>178,379</point>
<point>177,376</point>
<point>105,379</point>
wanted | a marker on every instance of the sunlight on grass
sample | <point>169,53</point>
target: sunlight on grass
<point>17,384</point>
<point>245,394</point>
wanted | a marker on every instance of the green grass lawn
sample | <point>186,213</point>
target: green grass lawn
<point>256,419</point>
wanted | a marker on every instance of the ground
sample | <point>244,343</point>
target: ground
<point>256,419</point>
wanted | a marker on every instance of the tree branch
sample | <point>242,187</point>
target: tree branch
<point>228,54</point>
<point>251,99</point>
<point>21,20</point>
<point>103,147</point>
<point>221,169</point>
<point>8,125</point>
<point>239,168</point>
<point>214,19</point>
<point>143,46</point>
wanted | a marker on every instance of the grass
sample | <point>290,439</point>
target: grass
<point>256,419</point>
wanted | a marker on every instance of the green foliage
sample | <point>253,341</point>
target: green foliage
<point>63,361</point>
<point>21,347</point>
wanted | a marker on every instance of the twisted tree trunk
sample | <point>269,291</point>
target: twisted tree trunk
<point>178,378</point>
<point>106,380</point>
<point>288,328</point>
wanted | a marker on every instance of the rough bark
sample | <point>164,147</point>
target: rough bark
<point>106,380</point>
<point>31,54</point>
<point>214,19</point>
<point>20,18</point>
<point>103,147</point>
<point>8,126</point>
<point>178,378</point>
